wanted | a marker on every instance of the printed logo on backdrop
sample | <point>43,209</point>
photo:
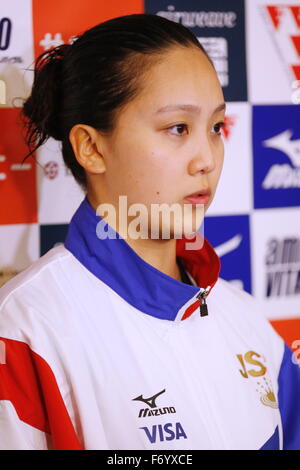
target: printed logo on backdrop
<point>276,156</point>
<point>229,123</point>
<point>229,235</point>
<point>51,170</point>
<point>75,16</point>
<point>5,41</point>
<point>220,28</point>
<point>51,236</point>
<point>16,179</point>
<point>283,23</point>
<point>282,265</point>
<point>53,40</point>
<point>5,33</point>
<point>16,54</point>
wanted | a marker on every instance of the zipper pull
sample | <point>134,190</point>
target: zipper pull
<point>202,297</point>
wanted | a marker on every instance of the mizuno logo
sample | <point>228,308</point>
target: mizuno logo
<point>153,410</point>
<point>159,432</point>
<point>157,412</point>
<point>228,246</point>
<point>284,175</point>
<point>285,144</point>
<point>151,400</point>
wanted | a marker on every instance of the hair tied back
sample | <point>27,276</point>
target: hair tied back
<point>42,109</point>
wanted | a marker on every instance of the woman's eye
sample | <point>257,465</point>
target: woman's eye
<point>180,126</point>
<point>218,127</point>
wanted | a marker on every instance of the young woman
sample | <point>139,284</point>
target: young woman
<point>113,341</point>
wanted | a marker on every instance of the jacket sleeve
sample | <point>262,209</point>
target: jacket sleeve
<point>289,399</point>
<point>33,415</point>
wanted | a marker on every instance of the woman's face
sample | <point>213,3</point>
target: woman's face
<point>161,156</point>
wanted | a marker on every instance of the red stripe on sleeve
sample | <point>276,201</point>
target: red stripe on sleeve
<point>27,381</point>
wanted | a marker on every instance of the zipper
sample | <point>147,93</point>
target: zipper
<point>202,297</point>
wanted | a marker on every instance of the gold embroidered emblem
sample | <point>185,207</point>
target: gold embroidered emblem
<point>267,396</point>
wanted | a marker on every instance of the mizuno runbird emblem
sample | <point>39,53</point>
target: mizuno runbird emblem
<point>151,400</point>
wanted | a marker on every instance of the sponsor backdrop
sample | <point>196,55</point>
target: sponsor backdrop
<point>254,221</point>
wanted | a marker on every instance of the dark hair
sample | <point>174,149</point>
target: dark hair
<point>89,81</point>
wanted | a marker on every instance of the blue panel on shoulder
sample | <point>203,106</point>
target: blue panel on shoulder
<point>289,400</point>
<point>273,442</point>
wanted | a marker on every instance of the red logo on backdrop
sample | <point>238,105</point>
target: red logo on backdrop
<point>51,170</point>
<point>17,180</point>
<point>285,20</point>
<point>56,22</point>
<point>227,128</point>
<point>275,13</point>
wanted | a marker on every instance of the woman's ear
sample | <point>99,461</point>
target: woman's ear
<point>83,139</point>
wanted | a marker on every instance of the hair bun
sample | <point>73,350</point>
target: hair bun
<point>42,108</point>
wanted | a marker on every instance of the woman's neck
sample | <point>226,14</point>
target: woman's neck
<point>159,253</point>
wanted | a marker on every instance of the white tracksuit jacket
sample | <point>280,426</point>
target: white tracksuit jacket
<point>100,350</point>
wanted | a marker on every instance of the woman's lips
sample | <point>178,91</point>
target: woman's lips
<point>197,199</point>
<point>202,198</point>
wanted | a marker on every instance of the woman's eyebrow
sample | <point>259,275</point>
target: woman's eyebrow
<point>192,108</point>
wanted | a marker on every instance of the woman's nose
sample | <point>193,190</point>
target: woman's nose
<point>204,159</point>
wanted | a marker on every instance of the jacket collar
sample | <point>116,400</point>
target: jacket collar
<point>142,285</point>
